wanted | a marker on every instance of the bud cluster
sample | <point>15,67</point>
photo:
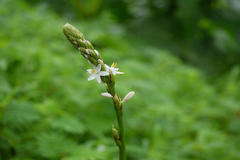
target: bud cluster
<point>85,47</point>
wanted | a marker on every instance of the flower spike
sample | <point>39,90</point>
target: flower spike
<point>77,39</point>
<point>102,73</point>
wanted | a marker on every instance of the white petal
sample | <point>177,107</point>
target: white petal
<point>120,72</point>
<point>107,67</point>
<point>128,96</point>
<point>116,69</point>
<point>89,71</point>
<point>103,73</point>
<point>106,94</point>
<point>98,79</point>
<point>92,77</point>
<point>98,68</point>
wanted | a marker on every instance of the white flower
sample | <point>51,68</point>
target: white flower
<point>128,96</point>
<point>112,69</point>
<point>96,73</point>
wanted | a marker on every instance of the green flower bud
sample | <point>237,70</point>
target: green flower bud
<point>77,39</point>
<point>89,45</point>
<point>72,34</point>
<point>116,135</point>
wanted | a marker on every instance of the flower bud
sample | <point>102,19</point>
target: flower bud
<point>100,62</point>
<point>88,51</point>
<point>89,44</point>
<point>97,53</point>
<point>128,96</point>
<point>72,34</point>
<point>81,43</point>
<point>106,94</point>
<point>116,135</point>
<point>78,41</point>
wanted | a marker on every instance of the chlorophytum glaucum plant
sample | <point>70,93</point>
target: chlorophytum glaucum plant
<point>103,74</point>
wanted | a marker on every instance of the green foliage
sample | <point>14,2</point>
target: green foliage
<point>50,111</point>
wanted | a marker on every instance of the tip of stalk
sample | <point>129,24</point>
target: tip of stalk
<point>71,32</point>
<point>67,27</point>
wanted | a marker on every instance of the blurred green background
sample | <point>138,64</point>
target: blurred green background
<point>181,57</point>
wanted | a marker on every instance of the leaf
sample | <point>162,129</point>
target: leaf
<point>54,145</point>
<point>20,114</point>
<point>68,124</point>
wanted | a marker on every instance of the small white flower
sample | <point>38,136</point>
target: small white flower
<point>96,73</point>
<point>112,69</point>
<point>106,94</point>
<point>128,96</point>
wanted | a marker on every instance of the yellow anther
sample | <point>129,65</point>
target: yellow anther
<point>93,71</point>
<point>114,65</point>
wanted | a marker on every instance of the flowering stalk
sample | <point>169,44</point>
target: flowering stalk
<point>103,74</point>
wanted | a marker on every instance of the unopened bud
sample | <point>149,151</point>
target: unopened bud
<point>72,34</point>
<point>82,43</point>
<point>91,63</point>
<point>78,41</point>
<point>128,96</point>
<point>100,62</point>
<point>116,135</point>
<point>106,94</point>
<point>88,51</point>
<point>88,44</point>
<point>97,53</point>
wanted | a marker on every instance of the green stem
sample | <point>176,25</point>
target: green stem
<point>119,113</point>
<point>118,106</point>
<point>122,148</point>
